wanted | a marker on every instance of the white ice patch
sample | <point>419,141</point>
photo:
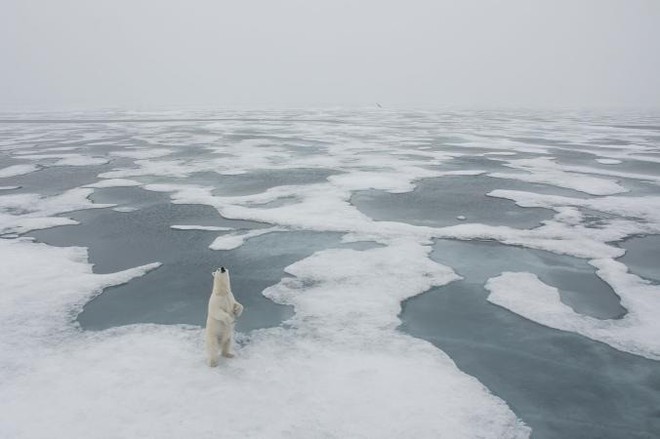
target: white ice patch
<point>544,170</point>
<point>169,168</point>
<point>66,159</point>
<point>125,209</point>
<point>609,161</point>
<point>8,188</point>
<point>398,181</point>
<point>142,153</point>
<point>646,208</point>
<point>613,173</point>
<point>21,213</point>
<point>80,160</point>
<point>234,240</point>
<point>194,227</point>
<point>555,237</point>
<point>637,332</point>
<point>114,182</point>
<point>16,170</point>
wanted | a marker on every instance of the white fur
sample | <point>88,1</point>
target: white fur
<point>222,313</point>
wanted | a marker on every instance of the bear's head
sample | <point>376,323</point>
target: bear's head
<point>221,284</point>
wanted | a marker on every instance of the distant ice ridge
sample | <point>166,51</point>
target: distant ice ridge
<point>340,358</point>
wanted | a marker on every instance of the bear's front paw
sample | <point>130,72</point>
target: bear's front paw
<point>228,355</point>
<point>212,362</point>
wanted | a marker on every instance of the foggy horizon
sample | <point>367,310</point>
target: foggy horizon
<point>75,55</point>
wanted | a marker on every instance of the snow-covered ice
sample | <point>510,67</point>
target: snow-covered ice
<point>338,366</point>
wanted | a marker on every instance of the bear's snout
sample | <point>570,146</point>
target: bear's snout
<point>222,269</point>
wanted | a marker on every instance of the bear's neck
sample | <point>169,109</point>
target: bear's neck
<point>221,290</point>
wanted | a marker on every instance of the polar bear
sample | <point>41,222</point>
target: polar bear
<point>222,313</point>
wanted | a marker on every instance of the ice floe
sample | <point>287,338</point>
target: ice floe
<point>114,182</point>
<point>67,159</point>
<point>234,240</point>
<point>20,213</point>
<point>207,228</point>
<point>609,161</point>
<point>16,170</point>
<point>636,332</point>
<point>545,170</point>
<point>142,153</point>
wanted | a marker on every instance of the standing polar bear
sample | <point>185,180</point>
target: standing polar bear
<point>223,310</point>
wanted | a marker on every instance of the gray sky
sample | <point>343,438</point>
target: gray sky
<point>290,53</point>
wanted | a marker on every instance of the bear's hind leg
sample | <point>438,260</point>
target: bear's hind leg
<point>226,342</point>
<point>212,349</point>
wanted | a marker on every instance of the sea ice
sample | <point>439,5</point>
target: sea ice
<point>114,182</point>
<point>636,332</point>
<point>20,213</point>
<point>387,383</point>
<point>14,170</point>
<point>545,170</point>
<point>194,227</point>
<point>609,161</point>
<point>233,240</point>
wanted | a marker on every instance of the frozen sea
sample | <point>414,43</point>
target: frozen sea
<point>447,274</point>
